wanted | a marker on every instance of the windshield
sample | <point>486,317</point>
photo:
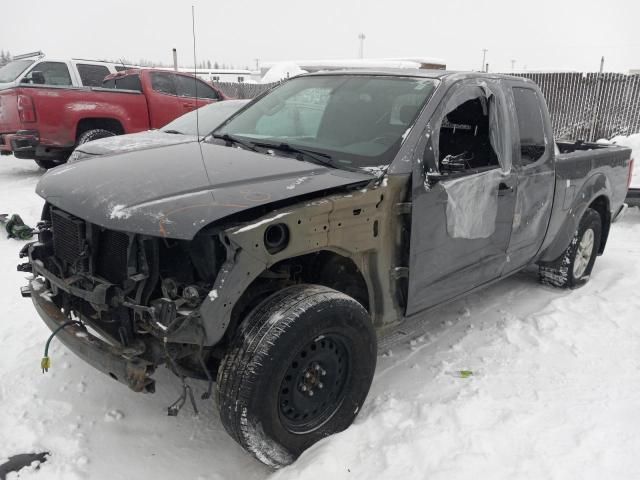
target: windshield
<point>209,117</point>
<point>12,70</point>
<point>355,120</point>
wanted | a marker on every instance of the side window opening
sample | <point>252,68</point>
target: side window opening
<point>163,83</point>
<point>193,88</point>
<point>128,82</point>
<point>92,75</point>
<point>464,139</point>
<point>49,73</point>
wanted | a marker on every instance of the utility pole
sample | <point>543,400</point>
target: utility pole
<point>175,59</point>
<point>257,64</point>
<point>484,57</point>
<point>596,102</point>
<point>513,65</point>
<point>361,36</point>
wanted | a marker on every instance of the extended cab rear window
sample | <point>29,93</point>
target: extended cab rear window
<point>530,125</point>
<point>130,82</point>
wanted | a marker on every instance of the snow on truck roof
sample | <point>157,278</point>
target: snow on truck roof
<point>399,62</point>
<point>417,72</point>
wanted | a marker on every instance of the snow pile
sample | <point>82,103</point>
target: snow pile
<point>281,71</point>
<point>552,388</point>
<point>632,141</point>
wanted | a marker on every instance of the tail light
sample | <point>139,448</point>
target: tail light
<point>630,173</point>
<point>26,109</point>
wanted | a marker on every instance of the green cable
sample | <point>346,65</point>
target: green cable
<point>45,363</point>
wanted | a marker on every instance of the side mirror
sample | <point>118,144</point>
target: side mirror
<point>36,78</point>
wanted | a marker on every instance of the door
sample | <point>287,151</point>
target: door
<point>533,164</point>
<point>163,101</point>
<point>463,197</point>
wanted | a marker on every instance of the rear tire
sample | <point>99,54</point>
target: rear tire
<point>47,164</point>
<point>298,369</point>
<point>573,268</point>
<point>95,134</point>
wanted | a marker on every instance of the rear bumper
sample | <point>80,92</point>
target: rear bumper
<point>109,359</point>
<point>633,197</point>
<point>22,144</point>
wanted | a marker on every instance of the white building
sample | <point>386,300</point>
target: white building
<point>222,75</point>
<point>296,67</point>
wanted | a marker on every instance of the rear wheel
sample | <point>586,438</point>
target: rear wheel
<point>573,268</point>
<point>47,164</point>
<point>298,370</point>
<point>95,134</point>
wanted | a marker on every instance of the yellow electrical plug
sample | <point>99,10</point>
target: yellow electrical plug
<point>45,363</point>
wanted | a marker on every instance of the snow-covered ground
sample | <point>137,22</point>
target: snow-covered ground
<point>554,391</point>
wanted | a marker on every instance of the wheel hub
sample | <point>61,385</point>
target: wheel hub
<point>583,253</point>
<point>312,389</point>
<point>311,379</point>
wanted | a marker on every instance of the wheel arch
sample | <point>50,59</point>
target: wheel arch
<point>595,193</point>
<point>323,267</point>
<point>602,206</point>
<point>93,123</point>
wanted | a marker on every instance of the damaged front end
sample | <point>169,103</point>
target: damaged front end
<point>135,297</point>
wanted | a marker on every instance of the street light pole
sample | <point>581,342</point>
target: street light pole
<point>361,36</point>
<point>484,57</point>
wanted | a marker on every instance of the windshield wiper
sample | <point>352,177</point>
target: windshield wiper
<point>176,132</point>
<point>231,139</point>
<point>319,157</point>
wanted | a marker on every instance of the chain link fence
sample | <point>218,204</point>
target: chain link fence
<point>243,90</point>
<point>590,106</point>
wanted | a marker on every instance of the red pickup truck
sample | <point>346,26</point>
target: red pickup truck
<point>44,121</point>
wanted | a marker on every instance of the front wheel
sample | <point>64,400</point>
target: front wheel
<point>298,370</point>
<point>573,268</point>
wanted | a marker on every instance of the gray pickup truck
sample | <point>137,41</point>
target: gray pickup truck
<point>336,206</point>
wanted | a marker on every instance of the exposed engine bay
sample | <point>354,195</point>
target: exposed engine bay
<point>130,290</point>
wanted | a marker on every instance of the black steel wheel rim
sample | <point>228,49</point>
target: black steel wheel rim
<point>313,387</point>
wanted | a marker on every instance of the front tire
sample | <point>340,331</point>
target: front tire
<point>298,370</point>
<point>573,268</point>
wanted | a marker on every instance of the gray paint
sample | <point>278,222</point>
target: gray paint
<point>128,143</point>
<point>177,190</point>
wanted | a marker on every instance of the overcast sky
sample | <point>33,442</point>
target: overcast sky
<point>545,34</point>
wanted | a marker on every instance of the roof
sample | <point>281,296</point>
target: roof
<point>137,70</point>
<point>415,72</point>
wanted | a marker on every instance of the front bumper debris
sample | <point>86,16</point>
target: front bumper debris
<point>112,360</point>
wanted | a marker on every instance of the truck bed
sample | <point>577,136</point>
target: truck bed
<point>585,170</point>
